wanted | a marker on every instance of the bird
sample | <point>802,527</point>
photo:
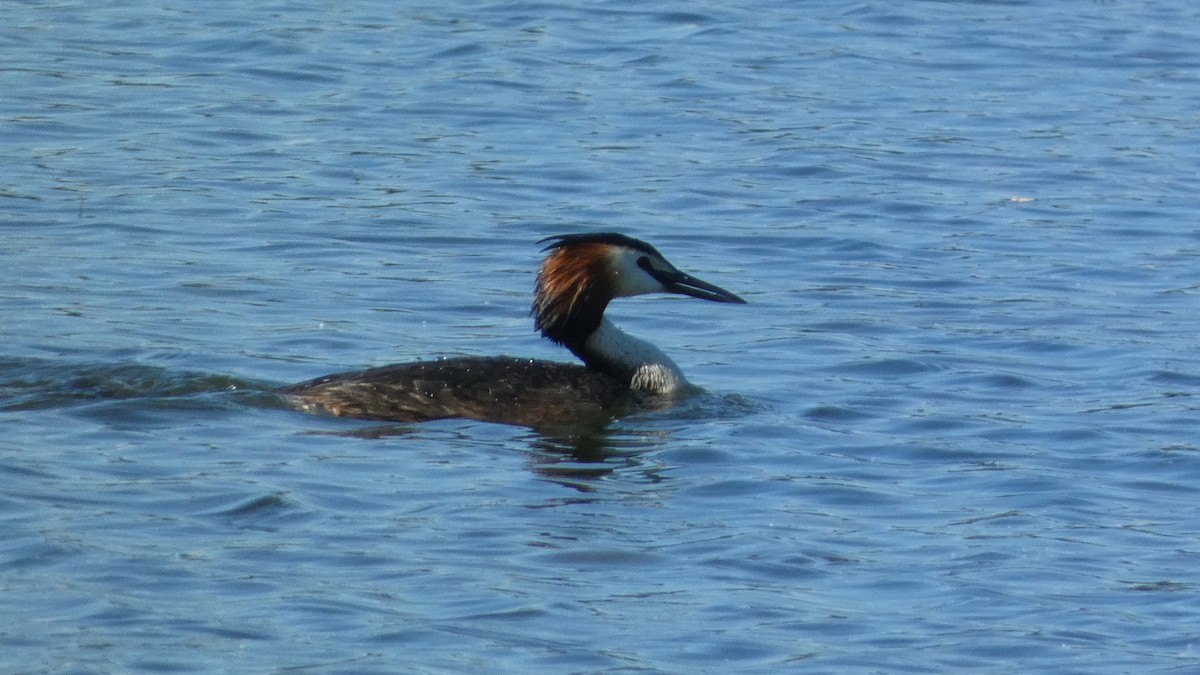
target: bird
<point>579,276</point>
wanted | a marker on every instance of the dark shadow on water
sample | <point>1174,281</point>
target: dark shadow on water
<point>580,460</point>
<point>577,457</point>
<point>565,453</point>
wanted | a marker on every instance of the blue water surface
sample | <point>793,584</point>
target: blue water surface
<point>954,430</point>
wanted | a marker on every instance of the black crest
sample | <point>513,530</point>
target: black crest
<point>609,238</point>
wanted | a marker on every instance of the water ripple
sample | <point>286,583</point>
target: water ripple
<point>954,429</point>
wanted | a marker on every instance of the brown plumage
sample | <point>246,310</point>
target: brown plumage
<point>506,390</point>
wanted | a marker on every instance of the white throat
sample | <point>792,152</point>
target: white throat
<point>653,371</point>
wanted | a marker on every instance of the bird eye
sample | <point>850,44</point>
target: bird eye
<point>644,263</point>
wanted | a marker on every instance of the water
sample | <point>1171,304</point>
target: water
<point>955,429</point>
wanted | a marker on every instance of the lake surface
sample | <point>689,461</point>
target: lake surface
<point>956,428</point>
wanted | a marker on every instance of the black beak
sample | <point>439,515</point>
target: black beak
<point>686,284</point>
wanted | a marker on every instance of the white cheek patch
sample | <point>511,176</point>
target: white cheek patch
<point>629,277</point>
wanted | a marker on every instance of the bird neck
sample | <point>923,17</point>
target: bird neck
<point>644,367</point>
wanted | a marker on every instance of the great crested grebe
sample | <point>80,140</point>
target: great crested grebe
<point>579,276</point>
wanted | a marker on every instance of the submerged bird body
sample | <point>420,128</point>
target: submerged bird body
<point>579,277</point>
